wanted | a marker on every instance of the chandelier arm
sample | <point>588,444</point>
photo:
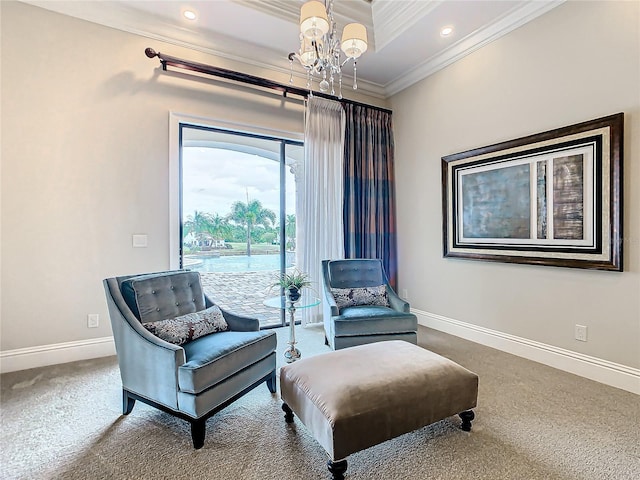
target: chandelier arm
<point>345,61</point>
<point>315,47</point>
<point>294,55</point>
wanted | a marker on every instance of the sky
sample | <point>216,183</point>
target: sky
<point>214,178</point>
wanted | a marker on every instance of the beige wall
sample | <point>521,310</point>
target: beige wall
<point>85,163</point>
<point>85,147</point>
<point>578,62</point>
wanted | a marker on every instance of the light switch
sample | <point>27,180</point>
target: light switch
<point>139,241</point>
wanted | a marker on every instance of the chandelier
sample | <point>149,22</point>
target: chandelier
<point>320,47</point>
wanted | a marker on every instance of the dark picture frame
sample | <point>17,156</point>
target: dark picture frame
<point>553,198</point>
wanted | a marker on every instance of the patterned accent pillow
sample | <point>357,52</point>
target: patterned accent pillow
<point>351,297</point>
<point>185,328</point>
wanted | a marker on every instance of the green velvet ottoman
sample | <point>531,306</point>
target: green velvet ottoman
<point>361,396</point>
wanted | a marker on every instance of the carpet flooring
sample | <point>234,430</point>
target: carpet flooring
<point>532,422</point>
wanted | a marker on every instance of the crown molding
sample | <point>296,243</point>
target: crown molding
<point>257,59</point>
<point>390,18</point>
<point>350,11</point>
<point>509,22</point>
<point>344,12</point>
<point>260,59</point>
<point>282,9</point>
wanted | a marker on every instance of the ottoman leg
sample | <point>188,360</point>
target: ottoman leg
<point>337,469</point>
<point>288,413</point>
<point>466,420</point>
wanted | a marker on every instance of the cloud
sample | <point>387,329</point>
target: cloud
<point>214,178</point>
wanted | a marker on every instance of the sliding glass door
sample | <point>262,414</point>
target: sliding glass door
<point>238,215</point>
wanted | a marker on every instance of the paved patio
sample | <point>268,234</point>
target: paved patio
<point>244,293</point>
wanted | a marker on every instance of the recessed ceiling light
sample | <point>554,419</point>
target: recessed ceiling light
<point>189,14</point>
<point>446,31</point>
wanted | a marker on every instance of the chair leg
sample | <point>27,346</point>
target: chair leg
<point>271,382</point>
<point>127,402</point>
<point>198,430</point>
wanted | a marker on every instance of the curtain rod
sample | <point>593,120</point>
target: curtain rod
<point>167,60</point>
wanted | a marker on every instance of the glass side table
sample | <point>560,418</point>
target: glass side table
<point>291,354</point>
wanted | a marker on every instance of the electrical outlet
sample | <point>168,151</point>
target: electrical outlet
<point>581,333</point>
<point>405,294</point>
<point>93,320</point>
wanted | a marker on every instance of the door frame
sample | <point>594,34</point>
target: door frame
<point>176,121</point>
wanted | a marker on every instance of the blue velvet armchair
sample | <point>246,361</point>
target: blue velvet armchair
<point>193,380</point>
<point>361,307</point>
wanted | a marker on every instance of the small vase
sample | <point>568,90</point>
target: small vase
<point>293,294</point>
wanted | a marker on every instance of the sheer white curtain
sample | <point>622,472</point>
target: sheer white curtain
<point>320,227</point>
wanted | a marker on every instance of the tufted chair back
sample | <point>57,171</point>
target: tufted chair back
<point>356,272</point>
<point>163,295</point>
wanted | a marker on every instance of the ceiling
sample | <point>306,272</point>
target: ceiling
<point>404,35</point>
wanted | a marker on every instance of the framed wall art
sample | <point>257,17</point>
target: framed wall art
<point>553,198</point>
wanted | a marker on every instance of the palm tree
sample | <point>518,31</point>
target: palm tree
<point>205,225</point>
<point>198,224</point>
<point>218,227</point>
<point>250,214</point>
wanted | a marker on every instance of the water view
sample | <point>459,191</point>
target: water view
<point>236,263</point>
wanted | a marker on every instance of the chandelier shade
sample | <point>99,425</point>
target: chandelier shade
<point>354,40</point>
<point>321,47</point>
<point>314,22</point>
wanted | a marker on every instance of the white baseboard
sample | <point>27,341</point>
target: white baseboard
<point>44,355</point>
<point>603,371</point>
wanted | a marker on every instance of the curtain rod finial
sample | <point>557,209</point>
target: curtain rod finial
<point>150,52</point>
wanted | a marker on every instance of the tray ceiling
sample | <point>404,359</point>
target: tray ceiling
<point>404,35</point>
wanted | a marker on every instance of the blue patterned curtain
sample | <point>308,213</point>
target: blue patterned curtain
<point>369,188</point>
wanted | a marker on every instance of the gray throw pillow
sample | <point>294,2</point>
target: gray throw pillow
<point>185,328</point>
<point>351,297</point>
